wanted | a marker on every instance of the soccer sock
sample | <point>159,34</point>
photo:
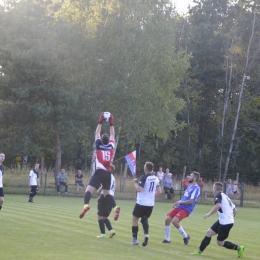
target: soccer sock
<point>108,224</point>
<point>204,243</point>
<point>102,226</point>
<point>87,197</point>
<point>110,200</point>
<point>34,193</point>
<point>0,207</point>
<point>145,224</point>
<point>182,232</point>
<point>167,232</point>
<point>230,245</point>
<point>134,231</point>
<point>31,195</point>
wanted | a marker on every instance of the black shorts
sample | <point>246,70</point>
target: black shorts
<point>221,230</point>
<point>101,176</point>
<point>34,188</point>
<point>142,211</point>
<point>2,192</point>
<point>104,208</point>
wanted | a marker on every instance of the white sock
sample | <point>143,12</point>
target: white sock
<point>182,232</point>
<point>167,232</point>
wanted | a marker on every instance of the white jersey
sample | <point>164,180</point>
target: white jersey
<point>33,177</point>
<point>149,183</point>
<point>1,175</point>
<point>112,186</point>
<point>225,213</point>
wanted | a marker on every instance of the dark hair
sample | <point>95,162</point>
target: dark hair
<point>105,139</point>
<point>196,175</point>
<point>149,166</point>
<point>218,186</point>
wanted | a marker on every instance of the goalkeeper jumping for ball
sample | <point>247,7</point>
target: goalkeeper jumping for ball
<point>105,146</point>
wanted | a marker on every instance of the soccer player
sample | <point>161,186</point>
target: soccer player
<point>105,146</point>
<point>183,208</point>
<point>2,158</point>
<point>104,210</point>
<point>147,188</point>
<point>34,182</point>
<point>226,212</point>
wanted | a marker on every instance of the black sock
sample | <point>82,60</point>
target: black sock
<point>0,207</point>
<point>204,243</point>
<point>145,224</point>
<point>110,200</point>
<point>101,226</point>
<point>108,224</point>
<point>87,197</point>
<point>230,245</point>
<point>31,196</point>
<point>34,193</point>
<point>134,231</point>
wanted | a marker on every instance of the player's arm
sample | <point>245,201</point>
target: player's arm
<point>112,129</point>
<point>98,131</point>
<point>214,210</point>
<point>234,212</point>
<point>137,187</point>
<point>38,181</point>
<point>186,202</point>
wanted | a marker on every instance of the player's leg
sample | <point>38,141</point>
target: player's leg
<point>167,227</point>
<point>181,214</point>
<point>31,194</point>
<point>213,230</point>
<point>137,213</point>
<point>223,234</point>
<point>93,185</point>
<point>101,227</point>
<point>1,198</point>
<point>106,182</point>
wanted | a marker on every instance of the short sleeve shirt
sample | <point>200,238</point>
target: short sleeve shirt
<point>225,213</point>
<point>149,183</point>
<point>1,175</point>
<point>34,175</point>
<point>104,154</point>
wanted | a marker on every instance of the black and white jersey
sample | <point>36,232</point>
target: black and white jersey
<point>225,213</point>
<point>149,183</point>
<point>34,175</point>
<point>1,175</point>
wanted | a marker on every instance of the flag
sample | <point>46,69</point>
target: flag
<point>131,161</point>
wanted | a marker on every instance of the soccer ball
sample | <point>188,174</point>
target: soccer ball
<point>106,116</point>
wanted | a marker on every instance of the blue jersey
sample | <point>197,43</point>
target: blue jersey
<point>191,192</point>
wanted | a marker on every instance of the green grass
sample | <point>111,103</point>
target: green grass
<point>51,229</point>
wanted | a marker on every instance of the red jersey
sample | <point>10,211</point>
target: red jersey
<point>104,154</point>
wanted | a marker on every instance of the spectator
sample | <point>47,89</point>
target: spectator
<point>229,188</point>
<point>2,158</point>
<point>160,176</point>
<point>186,182</point>
<point>201,185</point>
<point>168,189</point>
<point>79,180</point>
<point>62,179</point>
<point>235,190</point>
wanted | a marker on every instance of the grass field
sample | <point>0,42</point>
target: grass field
<point>51,229</point>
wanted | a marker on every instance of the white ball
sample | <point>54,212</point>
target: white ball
<point>106,116</point>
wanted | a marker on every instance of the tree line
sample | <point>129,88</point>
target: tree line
<point>184,89</point>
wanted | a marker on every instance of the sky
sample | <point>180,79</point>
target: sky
<point>182,5</point>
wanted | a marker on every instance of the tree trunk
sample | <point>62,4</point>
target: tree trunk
<point>246,69</point>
